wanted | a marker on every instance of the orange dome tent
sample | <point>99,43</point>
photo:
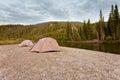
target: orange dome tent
<point>45,45</point>
<point>26,43</point>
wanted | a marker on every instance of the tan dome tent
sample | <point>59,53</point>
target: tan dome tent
<point>45,45</point>
<point>26,43</point>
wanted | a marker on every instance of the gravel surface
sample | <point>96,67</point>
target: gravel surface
<point>18,63</point>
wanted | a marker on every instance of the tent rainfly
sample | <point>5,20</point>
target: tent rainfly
<point>26,43</point>
<point>46,45</point>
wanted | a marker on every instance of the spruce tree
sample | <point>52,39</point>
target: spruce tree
<point>101,27</point>
<point>88,29</point>
<point>116,22</point>
<point>108,29</point>
<point>84,31</point>
<point>69,31</point>
<point>112,29</point>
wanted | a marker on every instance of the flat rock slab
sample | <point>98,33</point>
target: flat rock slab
<point>18,63</point>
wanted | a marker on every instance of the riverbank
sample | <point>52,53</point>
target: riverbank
<point>18,63</point>
<point>97,41</point>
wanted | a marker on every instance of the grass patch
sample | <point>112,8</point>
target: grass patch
<point>10,41</point>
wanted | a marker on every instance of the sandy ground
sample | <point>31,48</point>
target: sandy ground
<point>18,63</point>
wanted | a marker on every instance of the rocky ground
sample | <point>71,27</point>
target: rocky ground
<point>18,63</point>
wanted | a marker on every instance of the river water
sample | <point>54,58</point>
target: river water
<point>108,48</point>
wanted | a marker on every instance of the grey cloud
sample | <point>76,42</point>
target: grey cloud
<point>20,13</point>
<point>34,11</point>
<point>4,16</point>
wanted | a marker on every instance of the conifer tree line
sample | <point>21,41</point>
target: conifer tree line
<point>113,26</point>
<point>101,30</point>
<point>68,31</point>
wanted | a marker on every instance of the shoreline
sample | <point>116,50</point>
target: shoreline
<point>75,48</point>
<point>96,42</point>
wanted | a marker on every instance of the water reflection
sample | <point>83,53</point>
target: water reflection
<point>112,48</point>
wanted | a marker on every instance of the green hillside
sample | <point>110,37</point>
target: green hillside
<point>57,30</point>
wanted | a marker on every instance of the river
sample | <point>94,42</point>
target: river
<point>108,48</point>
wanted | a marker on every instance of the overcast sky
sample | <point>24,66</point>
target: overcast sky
<point>37,11</point>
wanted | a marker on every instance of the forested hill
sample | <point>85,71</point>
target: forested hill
<point>57,30</point>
